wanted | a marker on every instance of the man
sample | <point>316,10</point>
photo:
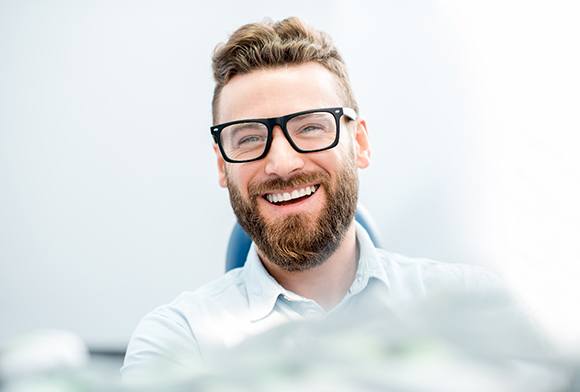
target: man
<point>288,143</point>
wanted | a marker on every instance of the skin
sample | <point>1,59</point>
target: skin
<point>275,92</point>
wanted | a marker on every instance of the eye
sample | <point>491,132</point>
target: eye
<point>311,128</point>
<point>250,139</point>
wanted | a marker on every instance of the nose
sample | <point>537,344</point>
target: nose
<point>282,160</point>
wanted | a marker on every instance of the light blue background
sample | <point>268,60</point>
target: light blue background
<point>109,202</point>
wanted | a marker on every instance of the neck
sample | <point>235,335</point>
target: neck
<point>327,283</point>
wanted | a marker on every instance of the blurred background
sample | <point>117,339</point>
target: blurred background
<point>109,201</point>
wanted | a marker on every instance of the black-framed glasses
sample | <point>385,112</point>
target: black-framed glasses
<point>307,131</point>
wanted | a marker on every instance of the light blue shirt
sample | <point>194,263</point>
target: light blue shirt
<point>248,300</point>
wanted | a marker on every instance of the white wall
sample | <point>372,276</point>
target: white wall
<point>109,203</point>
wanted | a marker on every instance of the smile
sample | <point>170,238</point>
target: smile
<point>296,195</point>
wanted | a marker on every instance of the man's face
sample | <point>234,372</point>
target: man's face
<point>299,234</point>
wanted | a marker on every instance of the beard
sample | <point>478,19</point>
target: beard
<point>299,242</point>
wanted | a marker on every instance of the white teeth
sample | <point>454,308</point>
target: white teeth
<point>278,197</point>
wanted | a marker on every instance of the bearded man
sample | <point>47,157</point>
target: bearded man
<point>289,142</point>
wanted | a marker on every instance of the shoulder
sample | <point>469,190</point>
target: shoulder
<point>431,275</point>
<point>171,333</point>
<point>230,287</point>
<point>192,309</point>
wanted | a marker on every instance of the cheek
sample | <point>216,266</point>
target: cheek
<point>347,147</point>
<point>231,176</point>
<point>344,155</point>
<point>238,177</point>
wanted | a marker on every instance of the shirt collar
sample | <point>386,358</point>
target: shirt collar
<point>369,262</point>
<point>264,290</point>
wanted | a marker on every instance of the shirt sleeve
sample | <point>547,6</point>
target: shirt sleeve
<point>162,346</point>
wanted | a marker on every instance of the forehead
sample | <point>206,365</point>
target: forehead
<point>278,91</point>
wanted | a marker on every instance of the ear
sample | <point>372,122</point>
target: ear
<point>221,164</point>
<point>361,144</point>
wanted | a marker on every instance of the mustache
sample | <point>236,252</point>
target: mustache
<point>278,183</point>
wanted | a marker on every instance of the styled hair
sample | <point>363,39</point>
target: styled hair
<point>271,44</point>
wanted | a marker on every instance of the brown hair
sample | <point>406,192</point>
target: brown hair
<point>271,44</point>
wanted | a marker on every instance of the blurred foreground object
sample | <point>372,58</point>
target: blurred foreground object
<point>446,343</point>
<point>31,357</point>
